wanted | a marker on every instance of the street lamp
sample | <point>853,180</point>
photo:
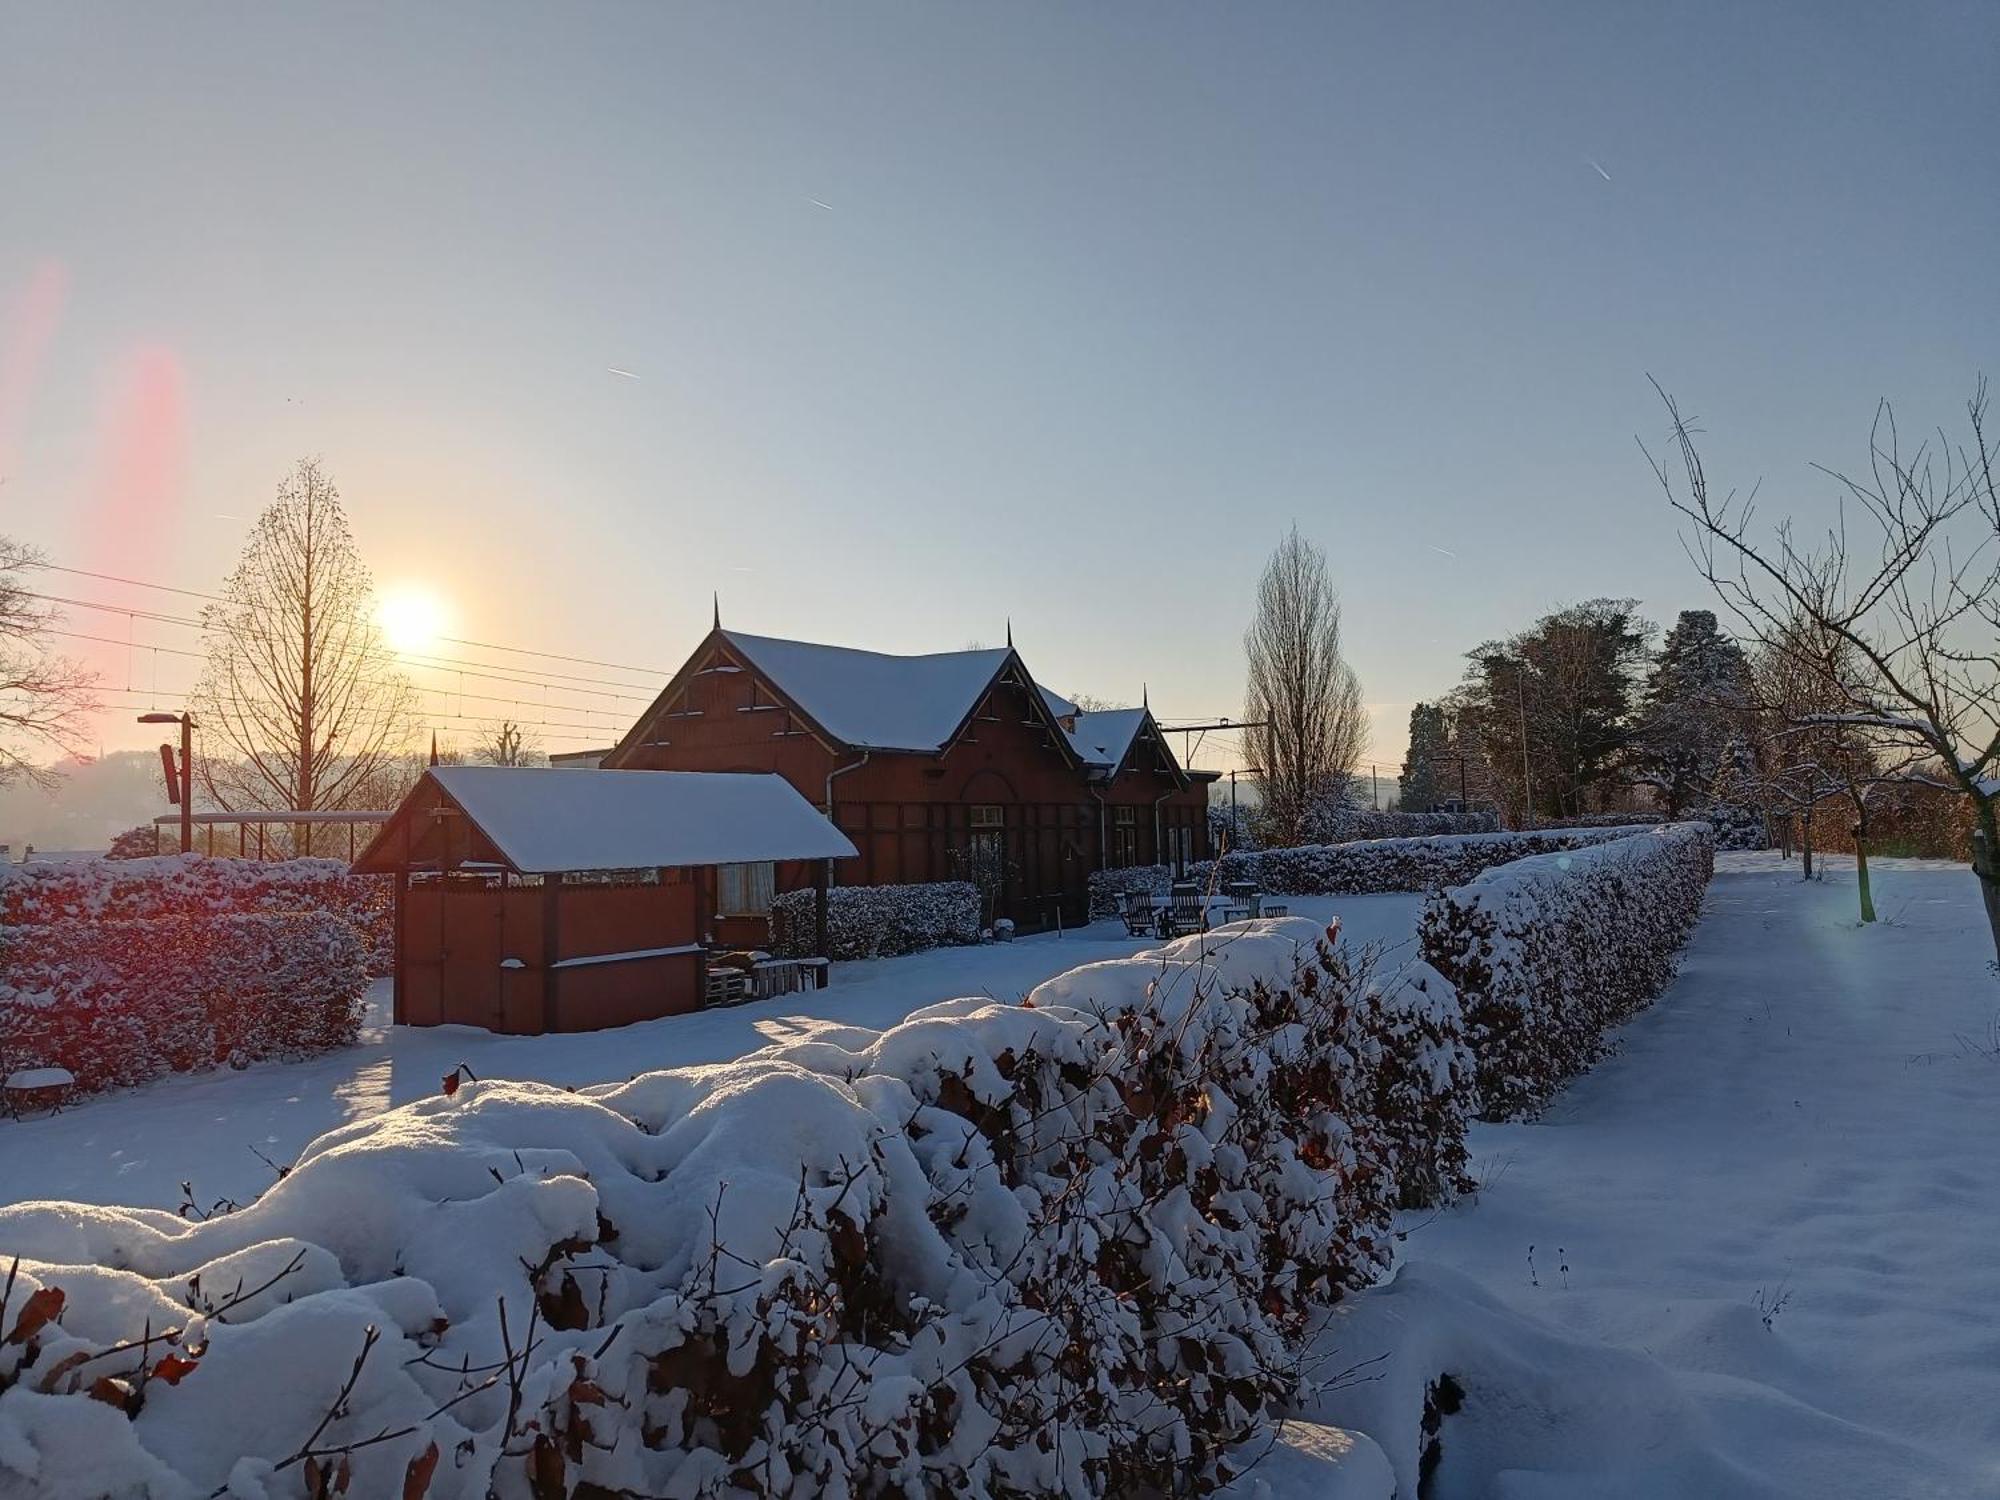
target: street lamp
<point>184,793</point>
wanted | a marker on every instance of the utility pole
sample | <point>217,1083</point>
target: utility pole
<point>1527,788</point>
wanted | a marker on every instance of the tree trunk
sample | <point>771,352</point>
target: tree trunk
<point>1861,873</point>
<point>1805,843</point>
<point>1983,840</point>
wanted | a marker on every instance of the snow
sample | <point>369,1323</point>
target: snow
<point>1102,738</point>
<point>40,1078</point>
<point>1750,1254</point>
<point>1805,1117</point>
<point>630,956</point>
<point>138,1145</point>
<point>872,700</point>
<point>545,821</point>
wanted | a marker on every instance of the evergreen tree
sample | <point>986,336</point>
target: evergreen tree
<point>1697,702</point>
<point>1421,787</point>
<point>1553,706</point>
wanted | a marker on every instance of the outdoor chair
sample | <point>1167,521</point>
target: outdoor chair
<point>1138,913</point>
<point>1186,912</point>
<point>1239,901</point>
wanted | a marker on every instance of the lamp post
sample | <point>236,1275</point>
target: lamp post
<point>184,794</point>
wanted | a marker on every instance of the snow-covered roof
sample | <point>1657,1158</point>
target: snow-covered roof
<point>547,821</point>
<point>1103,737</point>
<point>872,700</point>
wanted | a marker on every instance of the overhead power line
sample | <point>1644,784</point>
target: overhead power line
<point>586,661</point>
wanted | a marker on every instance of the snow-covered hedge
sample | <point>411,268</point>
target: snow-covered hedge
<point>1345,824</point>
<point>878,921</point>
<point>1074,1246</point>
<point>1362,868</point>
<point>122,1001</point>
<point>172,885</point>
<point>1547,953</point>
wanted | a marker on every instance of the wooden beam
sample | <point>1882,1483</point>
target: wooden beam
<point>551,976</point>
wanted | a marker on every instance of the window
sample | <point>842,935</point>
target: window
<point>1124,836</point>
<point>989,825</point>
<point>745,890</point>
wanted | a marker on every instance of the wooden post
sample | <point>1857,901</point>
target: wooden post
<point>551,914</point>
<point>822,878</point>
<point>399,902</point>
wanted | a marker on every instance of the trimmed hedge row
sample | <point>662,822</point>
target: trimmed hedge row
<point>122,1001</point>
<point>1549,952</point>
<point>878,921</point>
<point>1350,823</point>
<point>1362,868</point>
<point>1076,1246</point>
<point>195,885</point>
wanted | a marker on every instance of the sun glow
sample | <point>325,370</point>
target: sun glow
<point>412,617</point>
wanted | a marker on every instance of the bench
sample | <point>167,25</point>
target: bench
<point>37,1088</point>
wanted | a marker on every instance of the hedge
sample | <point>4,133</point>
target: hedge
<point>1362,868</point>
<point>1351,823</point>
<point>878,921</point>
<point>1549,952</point>
<point>1075,1246</point>
<point>122,1001</point>
<point>190,885</point>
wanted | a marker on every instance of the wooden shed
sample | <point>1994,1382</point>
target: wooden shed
<point>531,900</point>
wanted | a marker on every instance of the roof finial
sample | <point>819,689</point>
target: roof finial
<point>1010,632</point>
<point>717,598</point>
<point>1144,701</point>
<point>434,747</point>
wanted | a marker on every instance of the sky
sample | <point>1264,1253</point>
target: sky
<point>933,317</point>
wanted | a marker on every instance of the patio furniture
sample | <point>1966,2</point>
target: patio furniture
<point>37,1088</point>
<point>1141,919</point>
<point>1276,909</point>
<point>1240,901</point>
<point>1185,911</point>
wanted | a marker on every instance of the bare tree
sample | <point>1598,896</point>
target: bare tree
<point>506,743</point>
<point>300,704</point>
<point>1912,593</point>
<point>1301,693</point>
<point>44,698</point>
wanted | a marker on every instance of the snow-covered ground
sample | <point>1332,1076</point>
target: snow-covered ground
<point>1752,1254</point>
<point>136,1147</point>
<point>1763,1235</point>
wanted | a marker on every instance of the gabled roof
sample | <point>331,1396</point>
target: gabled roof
<point>1104,738</point>
<point>545,822</point>
<point>871,700</point>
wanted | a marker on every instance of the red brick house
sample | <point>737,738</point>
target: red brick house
<point>950,766</point>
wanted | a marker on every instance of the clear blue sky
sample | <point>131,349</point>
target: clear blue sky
<point>1103,297</point>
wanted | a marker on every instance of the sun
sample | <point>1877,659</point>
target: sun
<point>412,617</point>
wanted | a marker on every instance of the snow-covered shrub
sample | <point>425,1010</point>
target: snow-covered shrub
<point>1547,953</point>
<point>1073,1246</point>
<point>1355,869</point>
<point>123,1001</point>
<point>142,842</point>
<point>878,921</point>
<point>1343,823</point>
<point>1606,820</point>
<point>171,885</point>
<point>1737,825</point>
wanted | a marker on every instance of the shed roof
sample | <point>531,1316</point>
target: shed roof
<point>872,700</point>
<point>545,822</point>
